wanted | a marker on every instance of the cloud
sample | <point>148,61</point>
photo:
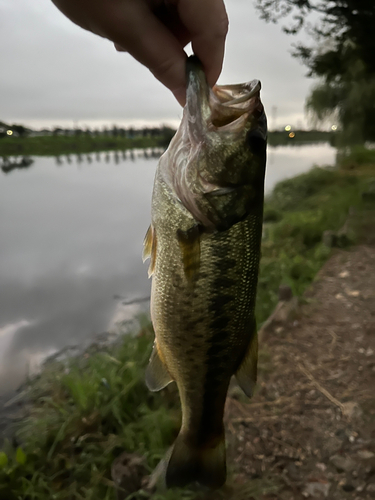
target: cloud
<point>55,72</point>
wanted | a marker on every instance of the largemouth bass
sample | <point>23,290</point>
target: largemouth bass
<point>204,245</point>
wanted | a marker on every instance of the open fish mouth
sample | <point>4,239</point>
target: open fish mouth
<point>216,160</point>
<point>226,108</point>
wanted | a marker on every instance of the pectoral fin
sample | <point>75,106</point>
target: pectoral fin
<point>149,249</point>
<point>246,374</point>
<point>189,242</point>
<point>157,375</point>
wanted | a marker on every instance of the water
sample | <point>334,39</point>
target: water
<point>71,232</point>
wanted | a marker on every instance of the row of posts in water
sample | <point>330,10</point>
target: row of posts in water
<point>9,163</point>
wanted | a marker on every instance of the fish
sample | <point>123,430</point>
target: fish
<point>204,249</point>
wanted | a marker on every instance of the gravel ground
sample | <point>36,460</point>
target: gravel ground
<point>309,432</point>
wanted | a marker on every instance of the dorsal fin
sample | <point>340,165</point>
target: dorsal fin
<point>149,249</point>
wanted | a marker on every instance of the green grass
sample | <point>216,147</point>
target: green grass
<point>356,157</point>
<point>81,419</point>
<point>85,415</point>
<point>296,215</point>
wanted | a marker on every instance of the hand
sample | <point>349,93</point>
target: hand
<point>155,32</point>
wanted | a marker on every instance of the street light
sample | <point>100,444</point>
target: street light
<point>9,132</point>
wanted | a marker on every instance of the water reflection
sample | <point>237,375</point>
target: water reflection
<point>288,161</point>
<point>7,164</point>
<point>115,157</point>
<point>71,241</point>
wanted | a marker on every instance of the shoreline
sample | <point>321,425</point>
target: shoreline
<point>101,393</point>
<point>55,145</point>
<point>128,319</point>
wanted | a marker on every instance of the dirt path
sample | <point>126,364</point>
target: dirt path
<point>310,429</point>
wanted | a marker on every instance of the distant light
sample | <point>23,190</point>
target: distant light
<point>288,127</point>
<point>291,135</point>
<point>334,127</point>
<point>10,132</point>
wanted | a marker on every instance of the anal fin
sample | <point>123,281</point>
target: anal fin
<point>246,374</point>
<point>157,374</point>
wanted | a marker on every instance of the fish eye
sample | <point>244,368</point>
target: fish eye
<point>256,142</point>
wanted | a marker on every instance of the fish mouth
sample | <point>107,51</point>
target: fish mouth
<point>226,108</point>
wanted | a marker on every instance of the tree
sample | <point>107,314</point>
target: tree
<point>339,21</point>
<point>342,57</point>
<point>20,130</point>
<point>57,131</point>
<point>351,103</point>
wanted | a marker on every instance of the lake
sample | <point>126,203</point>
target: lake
<point>71,233</point>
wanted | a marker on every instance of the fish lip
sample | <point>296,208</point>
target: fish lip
<point>197,108</point>
<point>226,108</point>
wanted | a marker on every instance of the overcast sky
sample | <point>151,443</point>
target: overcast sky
<point>54,73</point>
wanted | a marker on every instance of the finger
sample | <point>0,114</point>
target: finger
<point>207,23</point>
<point>167,13</point>
<point>136,30</point>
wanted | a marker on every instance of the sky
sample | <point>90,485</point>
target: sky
<point>54,73</point>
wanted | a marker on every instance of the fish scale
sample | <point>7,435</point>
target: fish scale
<point>204,244</point>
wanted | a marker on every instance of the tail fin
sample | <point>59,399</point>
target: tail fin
<point>204,464</point>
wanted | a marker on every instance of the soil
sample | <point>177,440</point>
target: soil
<point>309,431</point>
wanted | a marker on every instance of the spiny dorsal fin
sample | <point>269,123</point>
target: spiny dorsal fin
<point>246,374</point>
<point>189,242</point>
<point>149,249</point>
<point>157,374</point>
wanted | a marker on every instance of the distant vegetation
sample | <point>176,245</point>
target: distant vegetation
<point>300,137</point>
<point>58,141</point>
<point>18,140</point>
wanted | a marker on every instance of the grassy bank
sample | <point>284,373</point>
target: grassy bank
<point>297,214</point>
<point>85,415</point>
<point>54,145</point>
<point>300,137</point>
<point>61,145</point>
